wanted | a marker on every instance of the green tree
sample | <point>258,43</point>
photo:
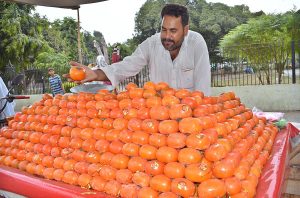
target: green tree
<point>147,20</point>
<point>294,28</point>
<point>51,59</point>
<point>214,20</point>
<point>28,38</point>
<point>52,35</point>
<point>20,35</point>
<point>262,40</point>
<point>68,31</point>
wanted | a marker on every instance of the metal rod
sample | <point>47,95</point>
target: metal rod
<point>78,37</point>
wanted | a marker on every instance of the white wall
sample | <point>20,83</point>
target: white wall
<point>27,102</point>
<point>266,97</point>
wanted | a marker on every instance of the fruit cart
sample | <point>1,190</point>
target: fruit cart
<point>271,183</point>
<point>143,140</point>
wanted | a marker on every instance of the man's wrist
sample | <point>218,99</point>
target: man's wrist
<point>101,76</point>
<point>97,72</point>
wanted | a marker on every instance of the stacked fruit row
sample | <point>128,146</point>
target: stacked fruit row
<point>153,141</point>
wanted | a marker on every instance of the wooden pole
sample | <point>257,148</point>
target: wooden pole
<point>78,37</point>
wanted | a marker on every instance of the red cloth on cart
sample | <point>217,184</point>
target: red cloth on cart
<point>22,183</point>
<point>272,182</point>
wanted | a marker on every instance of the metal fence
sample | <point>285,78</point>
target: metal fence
<point>139,79</point>
<point>245,74</point>
<point>35,80</point>
<point>258,64</point>
<point>242,65</point>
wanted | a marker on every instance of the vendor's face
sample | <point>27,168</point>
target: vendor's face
<point>172,32</point>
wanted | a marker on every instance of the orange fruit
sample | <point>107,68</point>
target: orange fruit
<point>77,73</point>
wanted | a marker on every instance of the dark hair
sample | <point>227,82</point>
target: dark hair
<point>177,11</point>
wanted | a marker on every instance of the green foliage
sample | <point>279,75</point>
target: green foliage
<point>214,20</point>
<point>265,39</point>
<point>20,35</point>
<point>57,61</point>
<point>28,38</point>
<point>68,29</point>
<point>67,86</point>
<point>293,26</point>
<point>147,20</point>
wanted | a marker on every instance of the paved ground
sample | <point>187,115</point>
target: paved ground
<point>292,116</point>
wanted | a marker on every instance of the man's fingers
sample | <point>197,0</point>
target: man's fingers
<point>90,74</point>
<point>70,80</point>
<point>86,80</point>
<point>73,63</point>
<point>78,82</point>
<point>73,81</point>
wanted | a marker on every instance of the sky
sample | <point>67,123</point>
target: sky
<point>115,18</point>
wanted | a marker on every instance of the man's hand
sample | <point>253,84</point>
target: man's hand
<point>90,75</point>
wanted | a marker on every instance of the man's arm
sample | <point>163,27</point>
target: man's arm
<point>202,75</point>
<point>90,75</point>
<point>101,76</point>
<point>130,66</point>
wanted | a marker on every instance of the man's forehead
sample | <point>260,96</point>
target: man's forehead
<point>171,20</point>
<point>171,17</point>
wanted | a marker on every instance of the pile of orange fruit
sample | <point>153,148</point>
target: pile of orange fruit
<point>150,141</point>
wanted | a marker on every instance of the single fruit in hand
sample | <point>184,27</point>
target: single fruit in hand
<point>77,73</point>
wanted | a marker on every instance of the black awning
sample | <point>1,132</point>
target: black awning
<point>70,4</point>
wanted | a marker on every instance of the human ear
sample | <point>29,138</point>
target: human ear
<point>186,29</point>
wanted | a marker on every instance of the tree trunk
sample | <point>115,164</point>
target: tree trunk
<point>279,69</point>
<point>260,77</point>
<point>105,53</point>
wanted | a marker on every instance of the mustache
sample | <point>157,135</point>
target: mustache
<point>167,40</point>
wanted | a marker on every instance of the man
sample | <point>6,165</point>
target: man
<point>55,83</point>
<point>9,108</point>
<point>115,56</point>
<point>176,56</point>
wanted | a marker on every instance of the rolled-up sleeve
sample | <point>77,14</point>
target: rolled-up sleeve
<point>130,66</point>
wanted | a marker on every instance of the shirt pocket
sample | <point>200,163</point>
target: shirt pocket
<point>186,77</point>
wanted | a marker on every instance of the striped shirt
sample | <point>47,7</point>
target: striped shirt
<point>56,84</point>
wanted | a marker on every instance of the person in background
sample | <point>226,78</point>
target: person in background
<point>175,55</point>
<point>8,111</point>
<point>55,83</point>
<point>115,56</point>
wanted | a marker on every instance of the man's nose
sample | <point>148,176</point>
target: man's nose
<point>168,35</point>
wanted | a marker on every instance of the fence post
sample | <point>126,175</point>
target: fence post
<point>43,80</point>
<point>293,63</point>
